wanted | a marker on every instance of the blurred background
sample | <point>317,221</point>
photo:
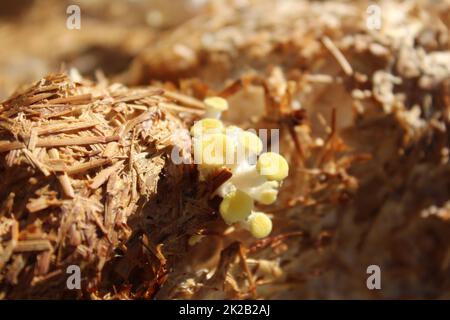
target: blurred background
<point>35,40</point>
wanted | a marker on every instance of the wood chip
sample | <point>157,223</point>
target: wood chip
<point>83,98</point>
<point>64,127</point>
<point>103,176</point>
<point>35,162</point>
<point>84,167</point>
<point>337,54</point>
<point>63,179</point>
<point>33,245</point>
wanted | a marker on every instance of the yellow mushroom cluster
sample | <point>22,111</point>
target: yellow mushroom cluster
<point>256,176</point>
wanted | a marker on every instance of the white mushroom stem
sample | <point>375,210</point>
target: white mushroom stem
<point>225,188</point>
<point>214,106</point>
<point>266,193</point>
<point>213,114</point>
<point>245,176</point>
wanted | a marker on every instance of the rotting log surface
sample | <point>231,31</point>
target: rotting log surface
<point>87,179</point>
<point>369,179</point>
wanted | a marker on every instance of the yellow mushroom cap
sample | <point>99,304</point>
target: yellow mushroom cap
<point>268,196</point>
<point>250,142</point>
<point>273,166</point>
<point>236,206</point>
<point>206,126</point>
<point>214,149</point>
<point>216,104</point>
<point>260,225</point>
<point>265,193</point>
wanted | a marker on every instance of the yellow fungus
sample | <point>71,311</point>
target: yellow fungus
<point>273,166</point>
<point>265,193</point>
<point>206,126</point>
<point>250,142</point>
<point>214,107</point>
<point>236,206</point>
<point>214,149</point>
<point>259,225</point>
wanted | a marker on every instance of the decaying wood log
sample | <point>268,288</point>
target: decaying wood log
<point>87,179</point>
